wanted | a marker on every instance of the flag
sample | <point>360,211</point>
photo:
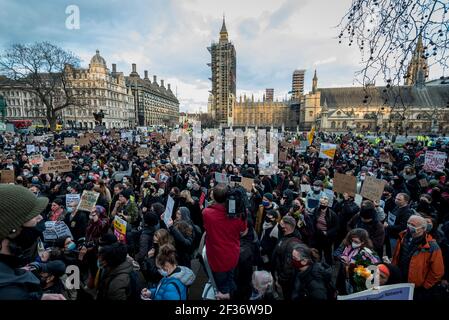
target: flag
<point>311,135</point>
<point>327,150</point>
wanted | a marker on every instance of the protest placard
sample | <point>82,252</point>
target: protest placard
<point>76,149</point>
<point>305,188</point>
<point>384,158</point>
<point>344,183</point>
<point>55,230</point>
<point>247,183</point>
<point>358,200</point>
<point>44,149</point>
<point>169,209</point>
<point>88,200</point>
<point>402,291</point>
<point>435,161</point>
<point>119,228</point>
<point>330,196</point>
<point>7,176</point>
<point>163,142</point>
<point>31,148</point>
<point>84,141</point>
<point>72,197</point>
<point>221,178</point>
<point>282,156</point>
<point>60,166</point>
<point>60,155</point>
<point>69,141</point>
<point>36,160</point>
<point>372,188</point>
<point>327,150</point>
<point>143,152</point>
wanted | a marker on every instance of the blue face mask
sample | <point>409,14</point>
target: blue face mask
<point>163,272</point>
<point>106,173</point>
<point>91,177</point>
<point>265,203</point>
<point>71,246</point>
<point>35,180</point>
<point>69,209</point>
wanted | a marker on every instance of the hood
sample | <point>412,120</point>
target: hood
<point>124,267</point>
<point>185,275</point>
<point>185,213</point>
<point>10,276</point>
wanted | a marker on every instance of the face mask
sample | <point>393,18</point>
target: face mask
<point>101,173</point>
<point>106,173</point>
<point>27,237</point>
<point>81,177</point>
<point>316,189</point>
<point>125,180</point>
<point>162,272</point>
<point>429,227</point>
<point>189,185</point>
<point>268,220</point>
<point>69,209</point>
<point>35,180</point>
<point>299,264</point>
<point>59,179</point>
<point>355,245</point>
<point>322,207</point>
<point>413,230</point>
<point>71,246</point>
<point>362,178</point>
<point>265,203</point>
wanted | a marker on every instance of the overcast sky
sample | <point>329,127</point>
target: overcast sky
<point>169,38</point>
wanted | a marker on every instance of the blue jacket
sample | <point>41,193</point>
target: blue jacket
<point>174,287</point>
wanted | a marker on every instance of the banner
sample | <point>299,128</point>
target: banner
<point>55,230</point>
<point>31,148</point>
<point>169,209</point>
<point>7,176</point>
<point>120,228</point>
<point>402,291</point>
<point>372,188</point>
<point>311,135</point>
<point>88,201</point>
<point>344,183</point>
<point>435,161</point>
<point>60,166</point>
<point>69,141</point>
<point>37,160</point>
<point>327,150</point>
<point>72,197</point>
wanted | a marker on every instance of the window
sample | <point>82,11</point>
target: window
<point>310,113</point>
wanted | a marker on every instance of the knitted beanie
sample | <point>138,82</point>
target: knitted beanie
<point>17,206</point>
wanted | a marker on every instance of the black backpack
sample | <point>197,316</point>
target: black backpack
<point>238,193</point>
<point>136,284</point>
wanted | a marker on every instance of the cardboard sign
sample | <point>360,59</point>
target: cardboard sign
<point>384,158</point>
<point>61,166</point>
<point>344,183</point>
<point>143,152</point>
<point>7,176</point>
<point>221,178</point>
<point>60,155</point>
<point>435,161</point>
<point>55,230</point>
<point>119,228</point>
<point>169,209</point>
<point>358,200</point>
<point>372,188</point>
<point>88,200</point>
<point>402,291</point>
<point>328,150</point>
<point>31,148</point>
<point>282,156</point>
<point>69,141</point>
<point>37,160</point>
<point>84,141</point>
<point>247,183</point>
<point>72,197</point>
<point>163,142</point>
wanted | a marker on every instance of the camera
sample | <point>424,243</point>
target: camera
<point>236,203</point>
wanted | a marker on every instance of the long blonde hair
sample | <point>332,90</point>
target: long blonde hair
<point>186,194</point>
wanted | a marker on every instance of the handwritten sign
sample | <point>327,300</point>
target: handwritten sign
<point>143,152</point>
<point>69,141</point>
<point>31,148</point>
<point>372,188</point>
<point>435,161</point>
<point>120,228</point>
<point>384,158</point>
<point>6,176</point>
<point>84,141</point>
<point>305,188</point>
<point>344,183</point>
<point>221,178</point>
<point>37,160</point>
<point>72,197</point>
<point>88,200</point>
<point>64,165</point>
<point>330,196</point>
<point>169,209</point>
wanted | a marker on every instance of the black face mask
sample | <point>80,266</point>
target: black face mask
<point>27,238</point>
<point>323,207</point>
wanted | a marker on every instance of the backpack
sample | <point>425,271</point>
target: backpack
<point>238,193</point>
<point>136,284</point>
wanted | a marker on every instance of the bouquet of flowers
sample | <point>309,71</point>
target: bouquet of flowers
<point>361,274</point>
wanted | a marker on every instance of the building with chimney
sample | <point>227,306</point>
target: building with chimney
<point>155,103</point>
<point>224,72</point>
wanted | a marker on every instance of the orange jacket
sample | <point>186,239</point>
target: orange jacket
<point>426,266</point>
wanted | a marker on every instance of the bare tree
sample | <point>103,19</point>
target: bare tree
<point>44,70</point>
<point>387,32</point>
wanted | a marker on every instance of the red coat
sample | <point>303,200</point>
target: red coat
<point>222,238</point>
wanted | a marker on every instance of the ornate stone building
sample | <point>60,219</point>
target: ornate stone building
<point>97,89</point>
<point>155,104</point>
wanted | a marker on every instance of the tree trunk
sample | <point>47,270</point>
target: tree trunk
<point>52,121</point>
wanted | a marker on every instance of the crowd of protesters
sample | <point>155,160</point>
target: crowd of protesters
<point>292,243</point>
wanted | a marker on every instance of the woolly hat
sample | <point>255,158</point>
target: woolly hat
<point>269,196</point>
<point>18,205</point>
<point>56,268</point>
<point>289,220</point>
